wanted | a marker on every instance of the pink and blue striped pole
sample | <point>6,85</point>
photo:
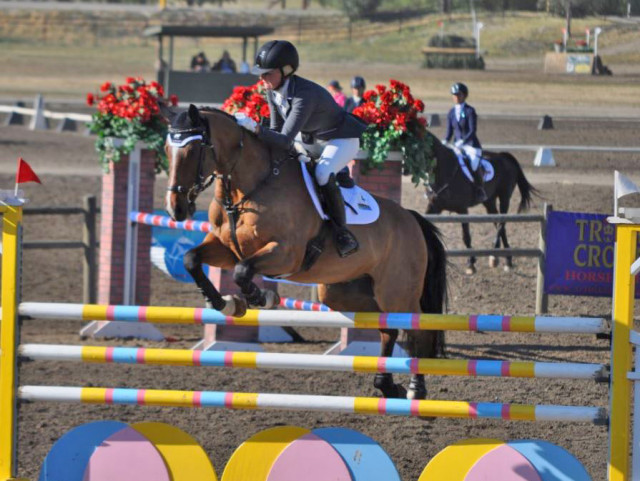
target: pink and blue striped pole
<point>165,221</point>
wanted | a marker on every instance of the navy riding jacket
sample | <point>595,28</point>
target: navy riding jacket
<point>465,128</point>
<point>312,111</point>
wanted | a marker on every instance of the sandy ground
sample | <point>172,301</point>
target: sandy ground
<point>581,182</point>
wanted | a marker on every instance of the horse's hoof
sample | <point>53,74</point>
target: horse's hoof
<point>470,270</point>
<point>417,390</point>
<point>400,392</point>
<point>234,306</point>
<point>271,300</point>
<point>508,268</point>
<point>417,394</point>
<point>493,261</point>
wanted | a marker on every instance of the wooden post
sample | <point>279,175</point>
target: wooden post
<point>89,294</point>
<point>542,299</point>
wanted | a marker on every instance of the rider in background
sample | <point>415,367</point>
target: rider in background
<point>462,123</point>
<point>358,86</point>
<point>305,110</point>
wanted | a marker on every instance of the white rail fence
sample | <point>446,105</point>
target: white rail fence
<point>68,121</point>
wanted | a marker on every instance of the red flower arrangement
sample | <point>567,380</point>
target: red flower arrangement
<point>249,100</point>
<point>392,115</point>
<point>130,112</point>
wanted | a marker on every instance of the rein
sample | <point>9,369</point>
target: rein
<point>233,211</point>
<point>447,183</point>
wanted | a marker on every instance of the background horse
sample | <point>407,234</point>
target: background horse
<point>400,267</point>
<point>451,190</point>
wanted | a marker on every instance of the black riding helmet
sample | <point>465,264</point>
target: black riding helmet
<point>358,82</point>
<point>459,88</point>
<point>276,54</point>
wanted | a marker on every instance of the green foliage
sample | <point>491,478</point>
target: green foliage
<point>418,159</point>
<point>457,61</point>
<point>109,129</point>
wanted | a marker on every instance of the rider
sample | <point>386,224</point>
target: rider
<point>357,90</point>
<point>462,121</point>
<point>304,110</point>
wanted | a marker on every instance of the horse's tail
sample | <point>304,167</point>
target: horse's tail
<point>434,293</point>
<point>526,189</point>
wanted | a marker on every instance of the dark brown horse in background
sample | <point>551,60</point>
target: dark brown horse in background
<point>400,267</point>
<point>452,191</point>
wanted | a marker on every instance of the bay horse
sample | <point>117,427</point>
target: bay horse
<point>452,191</point>
<point>400,267</point>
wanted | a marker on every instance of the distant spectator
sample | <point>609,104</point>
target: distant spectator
<point>225,64</point>
<point>200,63</point>
<point>357,91</point>
<point>336,91</point>
<point>244,67</point>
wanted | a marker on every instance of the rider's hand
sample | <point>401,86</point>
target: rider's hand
<point>304,158</point>
<point>444,142</point>
<point>246,122</point>
<point>459,143</point>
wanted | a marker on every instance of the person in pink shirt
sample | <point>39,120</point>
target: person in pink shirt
<point>336,91</point>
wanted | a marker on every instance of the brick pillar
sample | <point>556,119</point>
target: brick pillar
<point>114,218</point>
<point>113,227</point>
<point>385,182</point>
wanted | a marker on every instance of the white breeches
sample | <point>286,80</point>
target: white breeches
<point>333,155</point>
<point>474,155</point>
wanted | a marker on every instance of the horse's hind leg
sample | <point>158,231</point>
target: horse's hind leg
<point>466,238</point>
<point>213,253</point>
<point>502,231</point>
<point>490,205</point>
<point>357,295</point>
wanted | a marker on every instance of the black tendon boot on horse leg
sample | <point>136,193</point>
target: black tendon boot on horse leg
<point>256,297</point>
<point>346,242</point>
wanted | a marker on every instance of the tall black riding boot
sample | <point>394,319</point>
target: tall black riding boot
<point>478,180</point>
<point>346,242</point>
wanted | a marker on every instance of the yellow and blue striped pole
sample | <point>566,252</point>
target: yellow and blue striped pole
<point>623,303</point>
<point>11,243</point>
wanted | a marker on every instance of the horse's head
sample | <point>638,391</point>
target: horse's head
<point>198,147</point>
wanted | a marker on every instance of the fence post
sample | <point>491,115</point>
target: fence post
<point>9,337</point>
<point>89,268</point>
<point>542,299</point>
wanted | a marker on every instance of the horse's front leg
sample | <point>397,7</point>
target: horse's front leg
<point>213,253</point>
<point>267,259</point>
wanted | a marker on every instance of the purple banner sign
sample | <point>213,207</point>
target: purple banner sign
<point>580,251</point>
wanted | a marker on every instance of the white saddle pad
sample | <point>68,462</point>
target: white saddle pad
<point>489,171</point>
<point>360,206</point>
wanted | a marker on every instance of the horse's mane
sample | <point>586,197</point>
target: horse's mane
<point>217,111</point>
<point>183,121</point>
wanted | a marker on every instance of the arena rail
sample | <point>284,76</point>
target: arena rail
<point>11,392</point>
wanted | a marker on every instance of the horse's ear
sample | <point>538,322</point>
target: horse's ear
<point>166,112</point>
<point>194,115</point>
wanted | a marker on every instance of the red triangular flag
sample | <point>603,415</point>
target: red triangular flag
<point>25,173</point>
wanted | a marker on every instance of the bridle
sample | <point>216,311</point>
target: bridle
<point>435,193</point>
<point>182,137</point>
